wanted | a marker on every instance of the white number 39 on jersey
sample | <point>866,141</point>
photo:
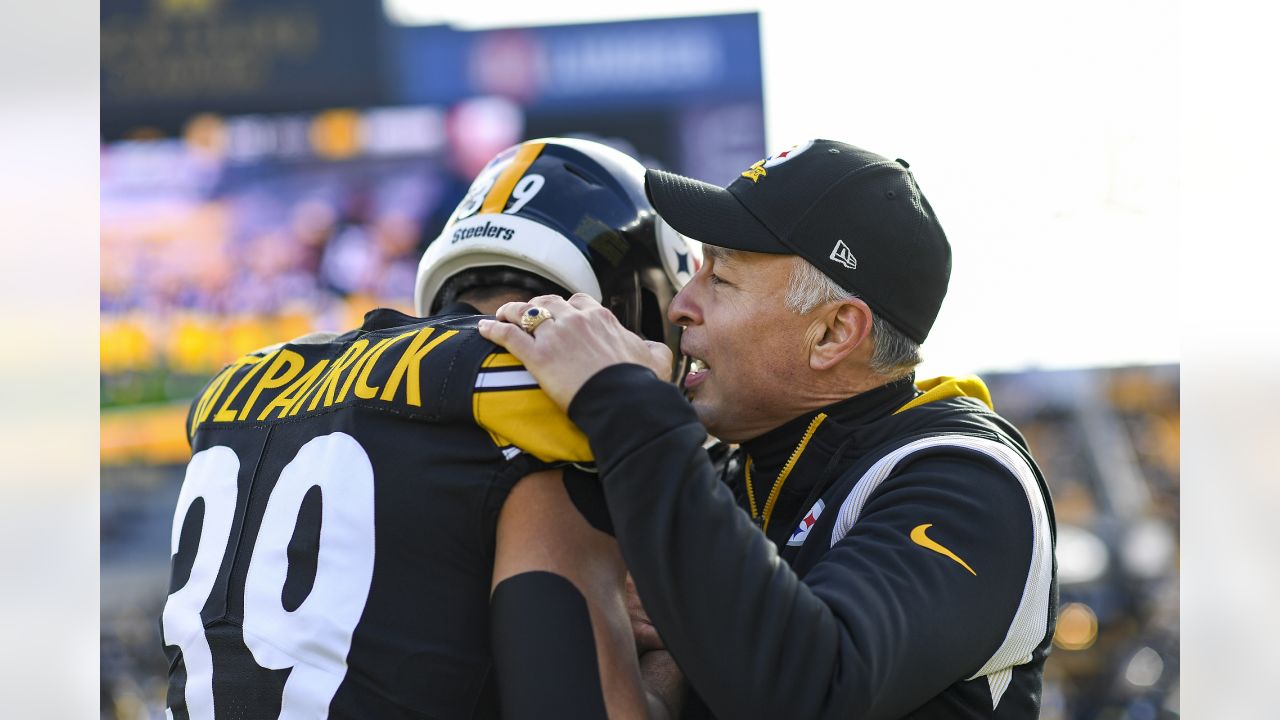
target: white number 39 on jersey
<point>314,638</point>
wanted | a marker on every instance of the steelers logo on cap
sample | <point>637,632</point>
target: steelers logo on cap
<point>785,155</point>
<point>760,168</point>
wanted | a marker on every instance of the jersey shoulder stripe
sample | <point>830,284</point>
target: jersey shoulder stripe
<point>505,379</point>
<point>508,403</point>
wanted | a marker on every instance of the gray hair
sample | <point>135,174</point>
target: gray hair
<point>894,355</point>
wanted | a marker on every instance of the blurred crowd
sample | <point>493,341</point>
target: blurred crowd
<point>1108,440</point>
<point>191,280</point>
<point>203,260</point>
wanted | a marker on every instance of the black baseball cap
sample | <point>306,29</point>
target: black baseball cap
<point>856,216</point>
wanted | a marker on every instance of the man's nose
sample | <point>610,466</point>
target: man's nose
<point>683,310</point>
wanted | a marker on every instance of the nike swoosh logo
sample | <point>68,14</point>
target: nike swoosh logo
<point>918,537</point>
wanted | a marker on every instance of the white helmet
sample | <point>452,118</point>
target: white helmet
<point>569,212</point>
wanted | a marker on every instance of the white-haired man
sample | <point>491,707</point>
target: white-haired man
<point>915,531</point>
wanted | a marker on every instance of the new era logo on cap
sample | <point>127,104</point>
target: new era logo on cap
<point>843,255</point>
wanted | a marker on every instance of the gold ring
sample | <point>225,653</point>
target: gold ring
<point>533,317</point>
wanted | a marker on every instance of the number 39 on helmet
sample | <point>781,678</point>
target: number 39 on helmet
<point>564,215</point>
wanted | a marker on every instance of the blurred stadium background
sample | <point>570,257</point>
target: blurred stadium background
<point>270,167</point>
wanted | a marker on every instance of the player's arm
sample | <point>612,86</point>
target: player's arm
<point>562,638</point>
<point>543,530</point>
<point>662,677</point>
<point>664,684</point>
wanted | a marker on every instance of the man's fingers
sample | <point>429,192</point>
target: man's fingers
<point>583,301</point>
<point>556,304</point>
<point>512,337</point>
<point>661,359</point>
<point>659,351</point>
<point>511,312</point>
<point>646,636</point>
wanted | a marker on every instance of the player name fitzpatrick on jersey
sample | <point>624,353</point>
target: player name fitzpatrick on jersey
<point>397,364</point>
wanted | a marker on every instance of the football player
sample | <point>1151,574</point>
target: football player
<point>396,522</point>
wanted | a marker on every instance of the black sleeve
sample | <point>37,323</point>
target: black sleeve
<point>587,496</point>
<point>876,628</point>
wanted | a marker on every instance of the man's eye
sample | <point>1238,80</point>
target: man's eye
<point>717,280</point>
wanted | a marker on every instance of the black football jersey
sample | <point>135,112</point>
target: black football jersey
<point>334,535</point>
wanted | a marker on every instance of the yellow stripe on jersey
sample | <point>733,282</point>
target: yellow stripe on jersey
<point>528,419</point>
<point>501,360</point>
<point>496,200</point>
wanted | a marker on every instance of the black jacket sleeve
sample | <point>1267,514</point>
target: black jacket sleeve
<point>875,629</point>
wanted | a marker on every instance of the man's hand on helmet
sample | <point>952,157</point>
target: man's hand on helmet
<point>580,339</point>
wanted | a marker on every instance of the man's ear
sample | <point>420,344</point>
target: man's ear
<point>844,328</point>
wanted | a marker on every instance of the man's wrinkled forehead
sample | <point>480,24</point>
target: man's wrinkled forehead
<point>733,255</point>
<point>720,254</point>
